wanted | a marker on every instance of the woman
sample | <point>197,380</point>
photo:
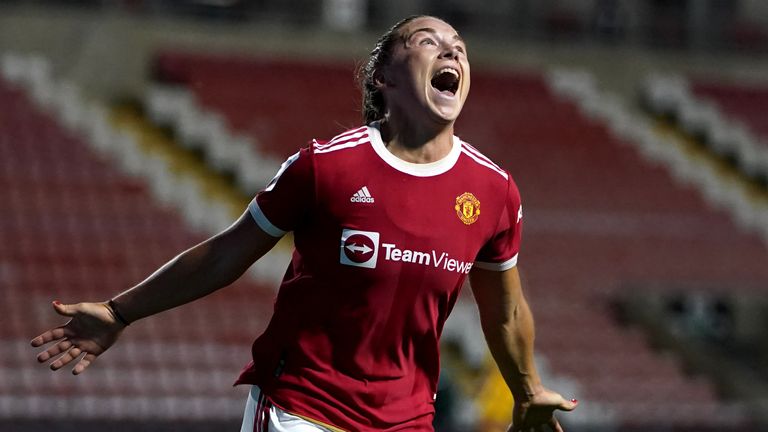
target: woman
<point>388,221</point>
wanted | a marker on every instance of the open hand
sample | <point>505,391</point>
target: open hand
<point>538,414</point>
<point>91,330</point>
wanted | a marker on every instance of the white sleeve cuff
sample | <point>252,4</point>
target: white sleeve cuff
<point>506,265</point>
<point>262,221</point>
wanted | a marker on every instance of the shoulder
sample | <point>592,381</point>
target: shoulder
<point>483,163</point>
<point>493,176</point>
<point>346,140</point>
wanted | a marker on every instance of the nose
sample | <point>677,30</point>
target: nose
<point>449,51</point>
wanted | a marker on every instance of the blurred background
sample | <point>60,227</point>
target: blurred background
<point>636,130</point>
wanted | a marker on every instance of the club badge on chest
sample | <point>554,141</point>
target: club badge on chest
<point>467,208</point>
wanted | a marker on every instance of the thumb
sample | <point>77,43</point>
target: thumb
<point>62,309</point>
<point>568,405</point>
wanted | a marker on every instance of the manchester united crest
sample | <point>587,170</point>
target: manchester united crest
<point>467,208</point>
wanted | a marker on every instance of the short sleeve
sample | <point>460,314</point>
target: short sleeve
<point>286,200</point>
<point>500,252</point>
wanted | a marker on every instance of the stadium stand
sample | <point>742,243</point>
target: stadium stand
<point>75,226</point>
<point>598,220</point>
<point>598,217</point>
<point>725,117</point>
<point>616,203</point>
<point>731,159</point>
<point>744,102</point>
<point>260,98</point>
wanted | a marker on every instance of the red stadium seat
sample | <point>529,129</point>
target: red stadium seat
<point>598,218</point>
<point>72,227</point>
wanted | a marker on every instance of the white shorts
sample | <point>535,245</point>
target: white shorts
<point>262,416</point>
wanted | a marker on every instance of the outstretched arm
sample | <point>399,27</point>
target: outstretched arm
<point>199,271</point>
<point>507,323</point>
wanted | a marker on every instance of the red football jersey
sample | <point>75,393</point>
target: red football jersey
<point>382,248</point>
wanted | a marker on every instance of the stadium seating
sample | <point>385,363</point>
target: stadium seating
<point>282,103</point>
<point>725,117</point>
<point>744,102</point>
<point>599,222</point>
<point>599,219</point>
<point>73,227</point>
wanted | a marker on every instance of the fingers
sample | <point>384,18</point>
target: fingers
<point>49,336</point>
<point>54,351</point>
<point>66,358</point>
<point>83,364</point>
<point>539,416</point>
<point>552,425</point>
<point>555,425</point>
<point>58,332</point>
<point>71,352</point>
<point>70,343</point>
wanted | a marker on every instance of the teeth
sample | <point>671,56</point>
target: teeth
<point>448,70</point>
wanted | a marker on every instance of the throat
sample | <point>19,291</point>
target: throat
<point>416,142</point>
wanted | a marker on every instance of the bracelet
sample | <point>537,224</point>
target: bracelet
<point>113,308</point>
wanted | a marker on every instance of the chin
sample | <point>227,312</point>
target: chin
<point>446,114</point>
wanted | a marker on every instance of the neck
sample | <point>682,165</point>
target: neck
<point>415,144</point>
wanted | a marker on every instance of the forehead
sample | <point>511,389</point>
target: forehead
<point>422,23</point>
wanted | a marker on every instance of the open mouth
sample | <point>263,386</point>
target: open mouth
<point>446,81</point>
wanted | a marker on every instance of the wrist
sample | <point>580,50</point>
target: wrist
<point>526,391</point>
<point>115,312</point>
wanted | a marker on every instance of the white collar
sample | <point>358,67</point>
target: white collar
<point>415,169</point>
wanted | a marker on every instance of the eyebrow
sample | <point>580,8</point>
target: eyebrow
<point>434,32</point>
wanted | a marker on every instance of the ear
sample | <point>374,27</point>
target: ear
<point>380,80</point>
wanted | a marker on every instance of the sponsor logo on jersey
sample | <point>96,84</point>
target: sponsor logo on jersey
<point>439,260</point>
<point>362,196</point>
<point>361,249</point>
<point>467,208</point>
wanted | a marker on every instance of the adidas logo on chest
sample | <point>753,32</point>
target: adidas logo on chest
<point>362,196</point>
